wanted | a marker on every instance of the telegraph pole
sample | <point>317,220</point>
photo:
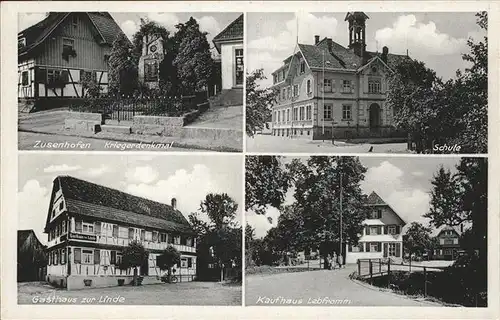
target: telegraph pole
<point>341,191</point>
<point>323,95</point>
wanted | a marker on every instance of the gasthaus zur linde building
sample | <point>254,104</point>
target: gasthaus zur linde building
<point>329,91</point>
<point>88,225</point>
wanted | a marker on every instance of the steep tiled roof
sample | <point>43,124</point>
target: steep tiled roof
<point>234,31</point>
<point>340,57</point>
<point>374,199</point>
<point>36,34</point>
<point>90,199</point>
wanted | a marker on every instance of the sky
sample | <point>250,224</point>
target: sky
<point>187,178</point>
<point>212,22</point>
<point>436,38</point>
<point>402,182</point>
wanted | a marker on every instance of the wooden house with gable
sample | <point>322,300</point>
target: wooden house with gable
<point>88,226</point>
<point>58,53</point>
<point>382,233</point>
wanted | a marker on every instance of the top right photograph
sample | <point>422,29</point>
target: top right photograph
<point>360,82</point>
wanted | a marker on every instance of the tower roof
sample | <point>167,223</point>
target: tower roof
<point>357,15</point>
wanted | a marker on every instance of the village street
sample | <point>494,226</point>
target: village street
<point>188,293</point>
<point>269,143</point>
<point>320,288</point>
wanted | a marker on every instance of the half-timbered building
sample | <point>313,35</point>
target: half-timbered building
<point>58,53</point>
<point>89,225</point>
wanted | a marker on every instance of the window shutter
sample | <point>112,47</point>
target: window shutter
<point>63,256</point>
<point>97,227</point>
<point>398,229</point>
<point>97,256</point>
<point>398,250</point>
<point>353,85</point>
<point>385,250</point>
<point>78,255</point>
<point>349,248</point>
<point>131,233</point>
<point>361,246</point>
<point>112,257</point>
<point>368,230</point>
<point>379,214</point>
<point>385,230</point>
<point>368,247</point>
<point>379,230</point>
<point>41,75</point>
<point>379,247</point>
<point>78,226</point>
<point>143,235</point>
<point>115,231</point>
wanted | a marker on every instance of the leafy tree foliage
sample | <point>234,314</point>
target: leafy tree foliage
<point>122,68</point>
<point>168,258</point>
<point>437,112</point>
<point>219,238</point>
<point>134,256</point>
<point>258,103</point>
<point>316,214</point>
<point>418,240</point>
<point>266,183</point>
<point>193,61</point>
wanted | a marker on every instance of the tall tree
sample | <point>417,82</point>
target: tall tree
<point>122,67</point>
<point>266,183</point>
<point>194,61</point>
<point>258,103</point>
<point>221,234</point>
<point>319,185</point>
<point>418,239</point>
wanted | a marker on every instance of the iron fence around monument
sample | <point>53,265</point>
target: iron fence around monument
<point>124,108</point>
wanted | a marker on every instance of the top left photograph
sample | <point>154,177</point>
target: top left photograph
<point>128,81</point>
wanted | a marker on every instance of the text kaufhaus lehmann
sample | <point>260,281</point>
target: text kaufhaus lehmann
<point>310,301</point>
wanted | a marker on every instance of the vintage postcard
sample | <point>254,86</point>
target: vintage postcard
<point>130,81</point>
<point>250,160</point>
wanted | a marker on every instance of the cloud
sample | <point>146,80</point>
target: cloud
<point>26,20</point>
<point>210,25</point>
<point>99,171</point>
<point>144,174</point>
<point>261,223</point>
<point>421,39</point>
<point>387,180</point>
<point>129,27</point>
<point>33,205</point>
<point>61,168</point>
<point>188,187</point>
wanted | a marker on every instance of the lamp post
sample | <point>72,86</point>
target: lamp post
<point>341,187</point>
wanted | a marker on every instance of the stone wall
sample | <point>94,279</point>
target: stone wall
<point>77,281</point>
<point>83,121</point>
<point>155,125</point>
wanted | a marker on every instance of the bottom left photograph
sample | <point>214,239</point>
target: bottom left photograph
<point>141,229</point>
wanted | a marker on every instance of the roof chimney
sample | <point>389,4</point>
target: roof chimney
<point>173,203</point>
<point>316,39</point>
<point>385,52</point>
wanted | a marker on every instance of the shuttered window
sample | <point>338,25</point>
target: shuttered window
<point>113,257</point>
<point>78,255</point>
<point>97,256</point>
<point>190,262</point>
<point>163,237</point>
<point>98,228</point>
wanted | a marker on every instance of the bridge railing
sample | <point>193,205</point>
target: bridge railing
<point>371,268</point>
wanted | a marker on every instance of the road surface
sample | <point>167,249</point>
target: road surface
<point>269,143</point>
<point>320,288</point>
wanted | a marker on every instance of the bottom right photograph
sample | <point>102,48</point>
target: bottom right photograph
<point>366,231</point>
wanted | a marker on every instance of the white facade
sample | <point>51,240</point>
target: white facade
<point>230,52</point>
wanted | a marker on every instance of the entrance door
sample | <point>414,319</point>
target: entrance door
<point>374,116</point>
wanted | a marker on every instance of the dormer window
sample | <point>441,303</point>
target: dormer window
<point>21,42</point>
